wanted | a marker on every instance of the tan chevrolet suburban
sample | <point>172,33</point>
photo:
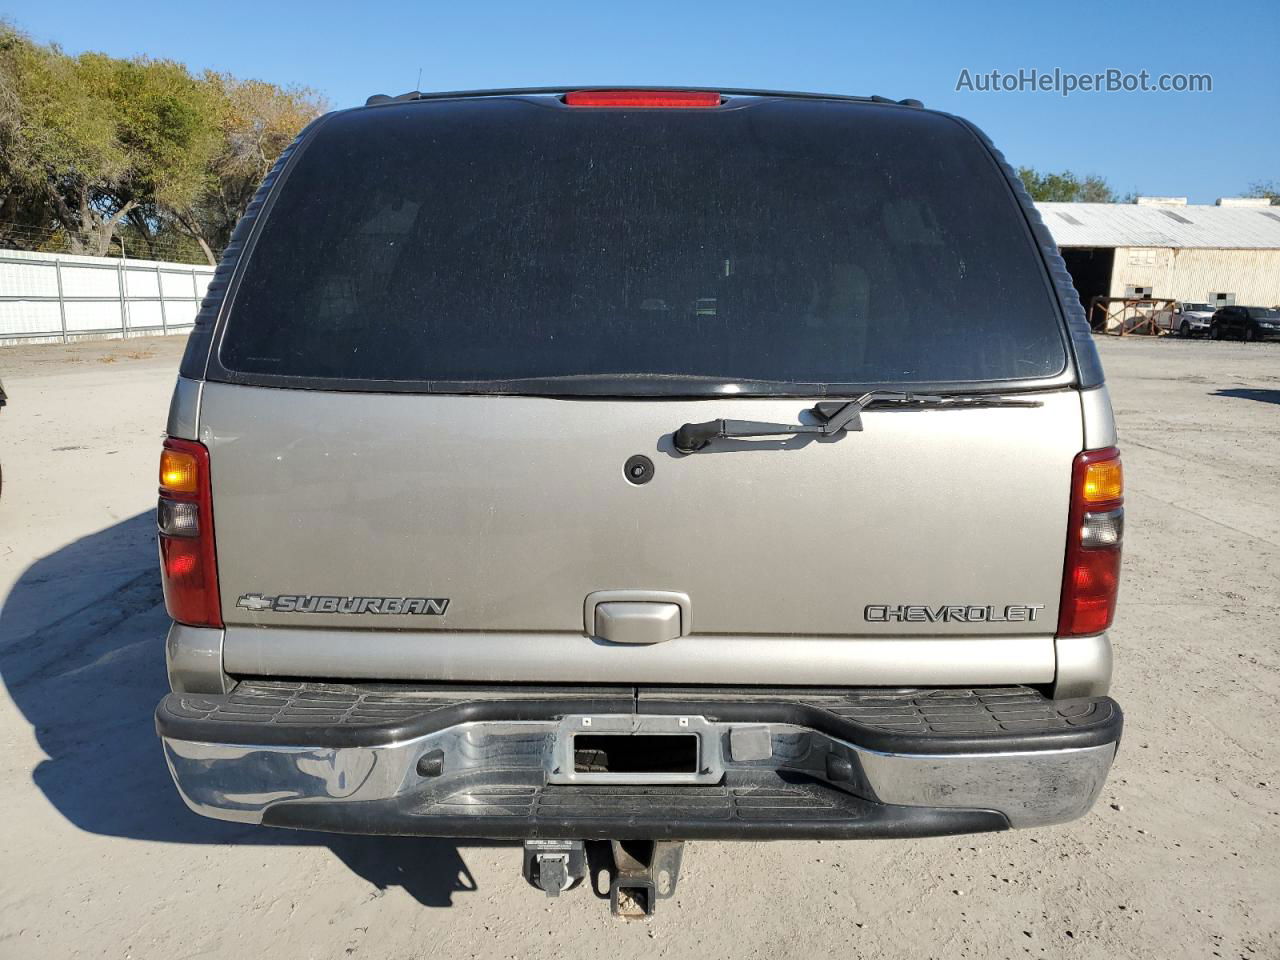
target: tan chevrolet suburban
<point>640,466</point>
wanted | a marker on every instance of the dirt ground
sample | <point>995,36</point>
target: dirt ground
<point>1180,858</point>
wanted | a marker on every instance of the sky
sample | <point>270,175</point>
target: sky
<point>1201,145</point>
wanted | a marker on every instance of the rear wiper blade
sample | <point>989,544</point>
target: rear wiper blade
<point>834,417</point>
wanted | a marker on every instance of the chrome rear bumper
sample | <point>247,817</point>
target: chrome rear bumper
<point>768,765</point>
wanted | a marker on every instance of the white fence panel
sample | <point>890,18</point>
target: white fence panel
<point>29,280</point>
<point>181,313</point>
<point>79,280</point>
<point>27,318</point>
<point>47,296</point>
<point>93,316</point>
<point>141,283</point>
<point>145,315</point>
<point>177,286</point>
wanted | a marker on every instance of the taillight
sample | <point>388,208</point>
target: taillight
<point>642,98</point>
<point>1091,576</point>
<point>184,518</point>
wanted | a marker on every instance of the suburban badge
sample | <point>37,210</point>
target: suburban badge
<point>307,603</point>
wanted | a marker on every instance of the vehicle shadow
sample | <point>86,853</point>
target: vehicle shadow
<point>1249,393</point>
<point>82,657</point>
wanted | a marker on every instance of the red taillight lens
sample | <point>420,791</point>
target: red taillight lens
<point>1091,604</point>
<point>184,516</point>
<point>642,98</point>
<point>1091,574</point>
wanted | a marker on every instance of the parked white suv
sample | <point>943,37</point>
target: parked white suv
<point>1192,319</point>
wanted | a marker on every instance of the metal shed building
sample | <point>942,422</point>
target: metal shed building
<point>1224,253</point>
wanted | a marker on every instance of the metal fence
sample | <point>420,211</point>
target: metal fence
<point>56,296</point>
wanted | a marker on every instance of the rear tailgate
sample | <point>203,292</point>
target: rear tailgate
<point>514,509</point>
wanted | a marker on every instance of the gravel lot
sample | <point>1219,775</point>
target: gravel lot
<point>1180,858</point>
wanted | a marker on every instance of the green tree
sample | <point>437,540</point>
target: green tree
<point>255,122</point>
<point>1066,187</point>
<point>98,138</point>
<point>61,147</point>
<point>21,209</point>
<point>1265,188</point>
<point>100,151</point>
<point>164,122</point>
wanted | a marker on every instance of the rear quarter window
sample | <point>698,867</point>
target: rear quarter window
<point>503,239</point>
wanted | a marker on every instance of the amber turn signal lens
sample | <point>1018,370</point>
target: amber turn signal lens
<point>1103,481</point>
<point>179,472</point>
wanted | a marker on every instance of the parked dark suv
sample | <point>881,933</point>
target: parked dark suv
<point>640,466</point>
<point>1247,323</point>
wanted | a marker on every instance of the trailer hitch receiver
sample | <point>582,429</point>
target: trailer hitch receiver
<point>644,873</point>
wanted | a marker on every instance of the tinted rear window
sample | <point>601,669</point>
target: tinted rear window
<point>491,240</point>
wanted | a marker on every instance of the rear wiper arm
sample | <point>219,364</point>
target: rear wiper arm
<point>834,417</point>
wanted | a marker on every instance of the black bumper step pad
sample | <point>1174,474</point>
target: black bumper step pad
<point>761,805</point>
<point>942,721</point>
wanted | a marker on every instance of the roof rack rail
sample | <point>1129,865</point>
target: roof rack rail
<point>381,98</point>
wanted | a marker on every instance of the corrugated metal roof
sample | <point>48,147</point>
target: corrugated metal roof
<point>1131,225</point>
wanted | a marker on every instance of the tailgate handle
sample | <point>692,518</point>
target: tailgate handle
<point>637,623</point>
<point>637,616</point>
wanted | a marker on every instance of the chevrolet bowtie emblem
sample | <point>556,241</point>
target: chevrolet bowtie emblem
<point>256,601</point>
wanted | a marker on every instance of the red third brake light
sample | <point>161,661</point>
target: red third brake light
<point>1095,531</point>
<point>642,98</point>
<point>184,516</point>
